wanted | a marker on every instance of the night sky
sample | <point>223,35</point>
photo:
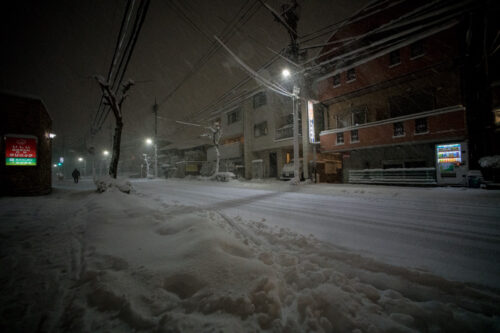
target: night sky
<point>53,49</point>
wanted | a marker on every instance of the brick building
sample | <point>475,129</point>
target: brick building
<point>25,146</point>
<point>395,85</point>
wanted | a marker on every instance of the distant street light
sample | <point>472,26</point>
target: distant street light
<point>52,135</point>
<point>55,165</point>
<point>149,142</point>
<point>105,153</point>
<point>80,159</point>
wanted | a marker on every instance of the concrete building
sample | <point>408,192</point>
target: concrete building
<point>394,87</point>
<point>257,139</point>
<point>25,146</point>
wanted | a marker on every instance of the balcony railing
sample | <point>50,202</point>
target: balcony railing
<point>285,132</point>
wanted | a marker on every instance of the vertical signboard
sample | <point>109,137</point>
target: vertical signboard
<point>20,150</point>
<point>310,114</point>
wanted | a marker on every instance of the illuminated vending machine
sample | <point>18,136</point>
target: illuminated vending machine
<point>451,163</point>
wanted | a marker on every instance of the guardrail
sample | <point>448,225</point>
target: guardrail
<point>425,176</point>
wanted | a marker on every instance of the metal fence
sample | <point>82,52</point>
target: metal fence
<point>425,176</point>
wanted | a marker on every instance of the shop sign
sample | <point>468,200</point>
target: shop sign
<point>20,150</point>
<point>310,113</point>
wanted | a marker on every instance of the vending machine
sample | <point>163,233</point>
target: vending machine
<point>452,163</point>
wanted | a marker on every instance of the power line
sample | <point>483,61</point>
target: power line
<point>214,47</point>
<point>125,58</point>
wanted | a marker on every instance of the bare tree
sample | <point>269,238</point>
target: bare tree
<point>115,103</point>
<point>214,133</point>
<point>147,161</point>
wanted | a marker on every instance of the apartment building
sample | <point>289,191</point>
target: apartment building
<point>395,93</point>
<point>257,135</point>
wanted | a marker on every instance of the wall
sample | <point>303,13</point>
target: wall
<point>450,125</point>
<point>28,116</point>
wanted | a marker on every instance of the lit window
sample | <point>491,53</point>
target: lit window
<point>340,138</point>
<point>399,129</point>
<point>416,49</point>
<point>336,80</point>
<point>354,136</point>
<point>394,58</point>
<point>421,125</point>
<point>497,116</point>
<point>351,74</point>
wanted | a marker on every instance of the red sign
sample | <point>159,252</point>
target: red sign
<point>20,150</point>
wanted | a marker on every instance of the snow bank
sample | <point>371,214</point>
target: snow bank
<point>107,183</point>
<point>490,161</point>
<point>154,267</point>
<point>132,263</point>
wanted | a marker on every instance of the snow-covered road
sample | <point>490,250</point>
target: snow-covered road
<point>192,256</point>
<point>451,232</point>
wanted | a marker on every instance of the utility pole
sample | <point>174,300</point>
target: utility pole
<point>289,18</point>
<point>155,111</point>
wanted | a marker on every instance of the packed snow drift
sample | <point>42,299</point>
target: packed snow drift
<point>80,261</point>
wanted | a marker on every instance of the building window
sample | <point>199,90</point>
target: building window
<point>233,116</point>
<point>351,74</point>
<point>336,80</point>
<point>340,138</point>
<point>260,129</point>
<point>496,113</point>
<point>394,58</point>
<point>421,125</point>
<point>399,129</point>
<point>415,102</point>
<point>354,136</point>
<point>416,49</point>
<point>343,120</point>
<point>359,115</point>
<point>259,100</point>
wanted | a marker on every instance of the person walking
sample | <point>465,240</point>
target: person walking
<point>76,175</point>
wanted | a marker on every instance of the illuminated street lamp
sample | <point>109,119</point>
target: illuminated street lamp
<point>105,153</point>
<point>296,90</point>
<point>81,159</point>
<point>55,165</point>
<point>149,142</point>
<point>52,135</point>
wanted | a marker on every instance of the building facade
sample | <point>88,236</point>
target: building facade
<point>26,146</point>
<point>393,85</point>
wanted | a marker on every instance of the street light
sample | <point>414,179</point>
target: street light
<point>296,90</point>
<point>105,153</point>
<point>149,142</point>
<point>80,159</point>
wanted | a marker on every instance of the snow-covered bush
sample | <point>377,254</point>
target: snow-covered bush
<point>490,161</point>
<point>107,183</point>
<point>224,176</point>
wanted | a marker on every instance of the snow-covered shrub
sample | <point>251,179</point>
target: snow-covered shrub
<point>224,176</point>
<point>490,161</point>
<point>107,183</point>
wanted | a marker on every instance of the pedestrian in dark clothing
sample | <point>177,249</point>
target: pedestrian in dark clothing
<point>76,175</point>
